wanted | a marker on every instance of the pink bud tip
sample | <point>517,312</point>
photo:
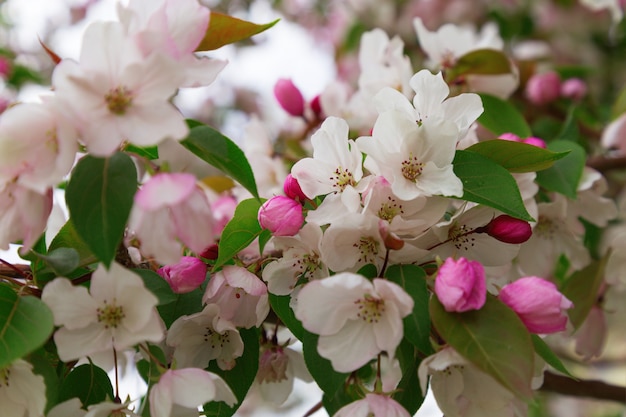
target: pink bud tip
<point>574,88</point>
<point>508,229</point>
<point>510,136</point>
<point>289,97</point>
<point>281,215</point>
<point>186,275</point>
<point>292,189</point>
<point>461,285</point>
<point>535,141</point>
<point>543,88</point>
<point>316,106</point>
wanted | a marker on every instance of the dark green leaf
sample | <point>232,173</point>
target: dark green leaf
<point>487,183</point>
<point>183,305</point>
<point>89,383</point>
<point>480,61</point>
<point>368,271</point>
<point>221,152</point>
<point>417,324</point>
<point>408,393</point>
<point>43,363</point>
<point>69,238</point>
<point>157,285</point>
<point>563,177</point>
<point>280,306</point>
<point>516,156</point>
<point>25,325</point>
<point>99,197</point>
<point>344,396</point>
<point>61,261</point>
<point>569,130</point>
<point>240,231</point>
<point>329,380</point>
<point>492,338</point>
<point>241,377</point>
<point>224,30</point>
<point>150,152</point>
<point>582,289</point>
<point>501,117</point>
<point>264,237</point>
<point>542,349</point>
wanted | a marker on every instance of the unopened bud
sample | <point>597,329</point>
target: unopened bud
<point>461,285</point>
<point>289,97</point>
<point>510,136</point>
<point>574,88</point>
<point>543,88</point>
<point>281,215</point>
<point>508,229</point>
<point>535,141</point>
<point>292,189</point>
<point>316,107</point>
<point>184,276</point>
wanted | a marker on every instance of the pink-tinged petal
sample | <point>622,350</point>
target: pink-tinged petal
<point>201,70</point>
<point>187,23</point>
<point>614,135</point>
<point>324,306</point>
<point>165,190</point>
<point>71,306</point>
<point>242,278</point>
<point>161,398</point>
<point>351,348</point>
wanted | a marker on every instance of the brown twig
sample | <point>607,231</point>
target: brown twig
<point>583,388</point>
<point>605,163</point>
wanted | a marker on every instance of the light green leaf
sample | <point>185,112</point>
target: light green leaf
<point>563,177</point>
<point>61,261</point>
<point>488,183</point>
<point>516,156</point>
<point>492,338</point>
<point>221,152</point>
<point>240,231</point>
<point>542,349</point>
<point>224,30</point>
<point>25,325</point>
<point>581,288</point>
<point>99,197</point>
<point>501,117</point>
<point>417,324</point>
<point>150,152</point>
<point>89,383</point>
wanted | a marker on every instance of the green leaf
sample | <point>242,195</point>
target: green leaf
<point>157,285</point>
<point>417,324</point>
<point>492,338</point>
<point>581,288</point>
<point>369,271</point>
<point>89,383</point>
<point>569,130</point>
<point>619,107</point>
<point>42,363</point>
<point>280,306</point>
<point>542,349</point>
<point>516,156</point>
<point>25,325</point>
<point>224,30</point>
<point>486,182</point>
<point>563,177</point>
<point>149,152</point>
<point>183,305</point>
<point>61,261</point>
<point>480,61</point>
<point>264,237</point>
<point>239,232</point>
<point>408,393</point>
<point>329,380</point>
<point>241,377</point>
<point>344,396</point>
<point>69,238</point>
<point>501,117</point>
<point>221,152</point>
<point>99,197</point>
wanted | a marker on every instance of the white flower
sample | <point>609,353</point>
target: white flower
<point>22,393</point>
<point>204,336</point>
<point>415,159</point>
<point>355,318</point>
<point>373,405</point>
<point>278,367</point>
<point>116,313</point>
<point>188,388</point>
<point>612,6</point>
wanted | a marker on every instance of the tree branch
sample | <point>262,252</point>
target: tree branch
<point>582,388</point>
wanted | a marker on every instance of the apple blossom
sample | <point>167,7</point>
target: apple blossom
<point>614,134</point>
<point>281,215</point>
<point>278,367</point>
<point>460,285</point>
<point>538,303</point>
<point>187,388</point>
<point>186,275</point>
<point>117,312</point>
<point>289,97</point>
<point>241,295</point>
<point>171,209</point>
<point>373,405</point>
<point>22,393</point>
<point>356,319</point>
<point>199,338</point>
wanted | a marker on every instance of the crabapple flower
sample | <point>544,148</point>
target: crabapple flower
<point>278,367</point>
<point>204,336</point>
<point>22,393</point>
<point>241,295</point>
<point>355,318</point>
<point>289,97</point>
<point>114,94</point>
<point>23,214</point>
<point>538,303</point>
<point>508,229</point>
<point>614,135</point>
<point>592,334</point>
<point>187,388</point>
<point>281,215</point>
<point>613,6</point>
<point>373,405</point>
<point>184,276</point>
<point>116,313</point>
<point>171,209</point>
<point>543,88</point>
<point>460,285</point>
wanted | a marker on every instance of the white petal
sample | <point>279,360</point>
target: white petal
<point>72,306</point>
<point>351,348</point>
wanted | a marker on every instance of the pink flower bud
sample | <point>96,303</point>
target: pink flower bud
<point>281,215</point>
<point>5,67</point>
<point>535,141</point>
<point>538,303</point>
<point>316,107</point>
<point>186,275</point>
<point>543,88</point>
<point>289,97</point>
<point>510,136</point>
<point>574,88</point>
<point>391,240</point>
<point>292,189</point>
<point>508,229</point>
<point>460,285</point>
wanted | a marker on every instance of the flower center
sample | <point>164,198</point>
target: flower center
<point>4,377</point>
<point>342,178</point>
<point>546,227</point>
<point>412,168</point>
<point>118,100</point>
<point>306,265</point>
<point>273,366</point>
<point>370,309</point>
<point>111,315</point>
<point>216,339</point>
<point>461,236</point>
<point>389,209</point>
<point>368,248</point>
